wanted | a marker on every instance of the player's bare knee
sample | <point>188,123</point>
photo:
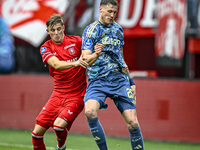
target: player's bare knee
<point>90,114</point>
<point>39,130</point>
<point>36,131</point>
<point>132,124</point>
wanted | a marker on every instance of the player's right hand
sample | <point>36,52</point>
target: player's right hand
<point>98,49</point>
<point>82,62</point>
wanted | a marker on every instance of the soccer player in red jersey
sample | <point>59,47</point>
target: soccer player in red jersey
<point>66,65</point>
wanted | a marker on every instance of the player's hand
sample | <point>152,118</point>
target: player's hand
<point>133,87</point>
<point>124,70</point>
<point>98,49</point>
<point>82,62</point>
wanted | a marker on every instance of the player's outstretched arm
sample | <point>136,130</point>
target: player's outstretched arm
<point>62,65</point>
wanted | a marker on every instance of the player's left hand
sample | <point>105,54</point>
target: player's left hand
<point>124,70</point>
<point>133,87</point>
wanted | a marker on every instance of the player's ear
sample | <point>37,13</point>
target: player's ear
<point>63,27</point>
<point>100,8</point>
<point>47,31</point>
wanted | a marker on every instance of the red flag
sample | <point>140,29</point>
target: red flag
<point>170,36</point>
<point>27,18</point>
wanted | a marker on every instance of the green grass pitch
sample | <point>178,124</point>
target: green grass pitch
<point>21,140</point>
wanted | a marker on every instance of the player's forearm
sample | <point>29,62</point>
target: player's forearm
<point>91,58</point>
<point>128,74</point>
<point>62,65</point>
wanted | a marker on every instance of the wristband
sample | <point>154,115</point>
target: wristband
<point>131,82</point>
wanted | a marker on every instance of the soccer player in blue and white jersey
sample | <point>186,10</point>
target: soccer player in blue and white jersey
<point>109,76</point>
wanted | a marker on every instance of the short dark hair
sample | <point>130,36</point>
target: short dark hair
<point>106,2</point>
<point>54,19</point>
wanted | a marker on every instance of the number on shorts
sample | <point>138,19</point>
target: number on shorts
<point>129,92</point>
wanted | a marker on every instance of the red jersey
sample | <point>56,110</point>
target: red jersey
<point>71,81</point>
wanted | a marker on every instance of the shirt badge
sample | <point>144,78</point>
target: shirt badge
<point>43,50</point>
<point>88,42</point>
<point>71,51</point>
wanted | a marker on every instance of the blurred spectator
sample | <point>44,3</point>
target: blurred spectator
<point>7,60</point>
<point>70,16</point>
<point>91,14</point>
<point>192,12</point>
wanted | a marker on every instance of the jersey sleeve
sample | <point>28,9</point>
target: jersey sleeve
<point>88,38</point>
<point>46,53</point>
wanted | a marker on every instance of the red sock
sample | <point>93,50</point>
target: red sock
<point>38,142</point>
<point>61,134</point>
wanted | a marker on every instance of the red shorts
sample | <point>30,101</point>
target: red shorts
<point>60,106</point>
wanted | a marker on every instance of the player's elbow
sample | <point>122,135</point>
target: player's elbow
<point>57,66</point>
<point>55,63</point>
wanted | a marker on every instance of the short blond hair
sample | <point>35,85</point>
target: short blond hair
<point>54,19</point>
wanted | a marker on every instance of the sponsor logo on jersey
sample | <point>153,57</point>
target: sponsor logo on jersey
<point>69,46</point>
<point>72,60</point>
<point>43,50</point>
<point>71,51</point>
<point>88,42</point>
<point>106,40</point>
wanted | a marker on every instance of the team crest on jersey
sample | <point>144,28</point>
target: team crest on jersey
<point>71,51</point>
<point>88,42</point>
<point>43,50</point>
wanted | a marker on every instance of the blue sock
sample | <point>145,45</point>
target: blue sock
<point>98,133</point>
<point>136,139</point>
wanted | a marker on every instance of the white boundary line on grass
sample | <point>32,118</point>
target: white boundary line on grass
<point>26,146</point>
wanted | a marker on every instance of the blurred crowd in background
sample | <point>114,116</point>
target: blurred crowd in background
<point>19,56</point>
